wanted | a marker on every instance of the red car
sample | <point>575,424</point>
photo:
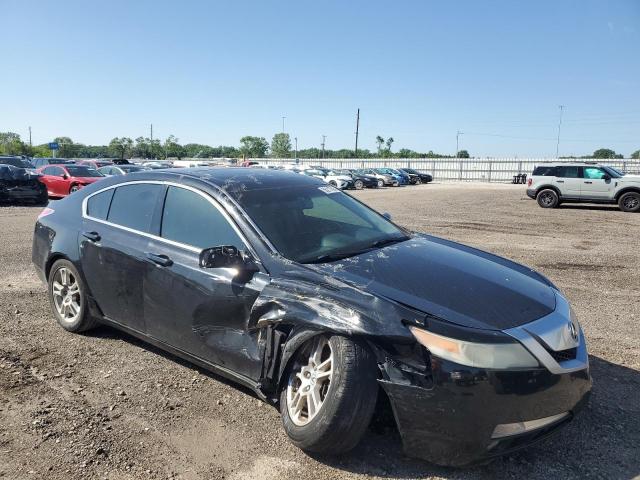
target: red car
<point>61,180</point>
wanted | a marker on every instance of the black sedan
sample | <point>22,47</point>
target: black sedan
<point>320,305</point>
<point>360,181</point>
<point>416,177</point>
<point>18,184</point>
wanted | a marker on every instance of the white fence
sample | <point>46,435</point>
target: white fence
<point>453,169</point>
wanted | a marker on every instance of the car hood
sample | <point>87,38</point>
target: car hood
<point>451,281</point>
<point>629,179</point>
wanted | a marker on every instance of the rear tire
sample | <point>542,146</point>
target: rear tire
<point>337,425</point>
<point>630,202</point>
<point>68,297</point>
<point>380,183</point>
<point>548,198</point>
<point>74,188</point>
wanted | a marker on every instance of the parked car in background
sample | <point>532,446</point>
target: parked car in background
<point>43,162</point>
<point>339,181</point>
<point>20,184</point>
<point>416,177</point>
<point>360,181</point>
<point>157,164</point>
<point>95,164</point>
<point>16,161</point>
<point>249,163</point>
<point>384,180</point>
<point>62,180</point>
<point>111,170</point>
<point>557,183</point>
<point>400,177</point>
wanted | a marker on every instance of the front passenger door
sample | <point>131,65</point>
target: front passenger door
<point>202,311</point>
<point>597,184</point>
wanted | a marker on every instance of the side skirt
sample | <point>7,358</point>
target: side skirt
<point>212,367</point>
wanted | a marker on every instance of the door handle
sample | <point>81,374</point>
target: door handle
<point>161,260</point>
<point>93,236</point>
<point>559,181</point>
<point>588,182</point>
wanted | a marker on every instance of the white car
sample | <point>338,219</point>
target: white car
<point>555,183</point>
<point>111,170</point>
<point>338,181</point>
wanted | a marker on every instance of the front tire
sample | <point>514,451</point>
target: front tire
<point>330,394</point>
<point>548,198</point>
<point>74,188</point>
<point>68,298</point>
<point>630,202</point>
<point>358,184</point>
<point>380,183</point>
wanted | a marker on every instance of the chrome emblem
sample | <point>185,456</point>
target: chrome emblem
<point>573,331</point>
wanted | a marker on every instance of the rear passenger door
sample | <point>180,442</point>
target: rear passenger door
<point>114,241</point>
<point>202,311</point>
<point>569,181</point>
<point>597,184</point>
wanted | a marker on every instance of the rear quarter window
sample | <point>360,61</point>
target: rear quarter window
<point>98,205</point>
<point>133,206</point>
<point>545,171</point>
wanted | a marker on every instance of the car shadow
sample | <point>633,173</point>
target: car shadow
<point>603,441</point>
<point>602,208</point>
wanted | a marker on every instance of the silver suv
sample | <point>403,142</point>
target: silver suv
<point>555,183</point>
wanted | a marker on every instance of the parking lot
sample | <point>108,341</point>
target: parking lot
<point>104,405</point>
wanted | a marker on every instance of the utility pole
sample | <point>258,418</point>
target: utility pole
<point>561,107</point>
<point>458,141</point>
<point>283,124</point>
<point>324,137</point>
<point>30,137</point>
<point>296,140</point>
<point>357,131</point>
<point>152,133</point>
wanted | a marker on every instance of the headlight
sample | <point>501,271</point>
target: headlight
<point>478,355</point>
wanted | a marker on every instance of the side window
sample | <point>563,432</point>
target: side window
<point>48,171</point>
<point>545,171</point>
<point>569,172</point>
<point>593,173</point>
<point>98,205</point>
<point>191,219</point>
<point>133,205</point>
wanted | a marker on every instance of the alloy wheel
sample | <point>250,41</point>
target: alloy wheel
<point>66,295</point>
<point>546,199</point>
<point>631,202</point>
<point>310,381</point>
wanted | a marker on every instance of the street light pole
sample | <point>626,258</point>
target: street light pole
<point>296,140</point>
<point>324,137</point>
<point>283,124</point>
<point>458,142</point>
<point>561,107</point>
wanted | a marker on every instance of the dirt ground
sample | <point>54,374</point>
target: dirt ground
<point>104,405</point>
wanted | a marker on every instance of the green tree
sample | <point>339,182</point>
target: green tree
<point>10,144</point>
<point>172,148</point>
<point>120,147</point>
<point>463,154</point>
<point>256,147</point>
<point>636,154</point>
<point>379,143</point>
<point>605,153</point>
<point>281,145</point>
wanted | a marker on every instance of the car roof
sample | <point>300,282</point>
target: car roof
<point>239,179</point>
<point>571,164</point>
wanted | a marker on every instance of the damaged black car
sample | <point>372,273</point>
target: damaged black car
<point>19,184</point>
<point>320,305</point>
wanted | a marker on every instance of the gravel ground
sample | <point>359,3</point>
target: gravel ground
<point>104,405</point>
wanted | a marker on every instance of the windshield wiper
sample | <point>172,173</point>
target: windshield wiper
<point>332,257</point>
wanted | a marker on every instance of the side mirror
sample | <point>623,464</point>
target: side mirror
<point>607,177</point>
<point>387,215</point>
<point>64,176</point>
<point>228,256</point>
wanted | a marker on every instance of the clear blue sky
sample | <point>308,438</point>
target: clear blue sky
<point>211,72</point>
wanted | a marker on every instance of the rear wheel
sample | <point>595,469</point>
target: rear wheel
<point>333,183</point>
<point>330,394</point>
<point>630,202</point>
<point>380,183</point>
<point>74,188</point>
<point>548,198</point>
<point>68,299</point>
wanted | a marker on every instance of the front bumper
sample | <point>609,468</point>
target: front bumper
<point>452,421</point>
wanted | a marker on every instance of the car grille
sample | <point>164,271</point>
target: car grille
<point>564,355</point>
